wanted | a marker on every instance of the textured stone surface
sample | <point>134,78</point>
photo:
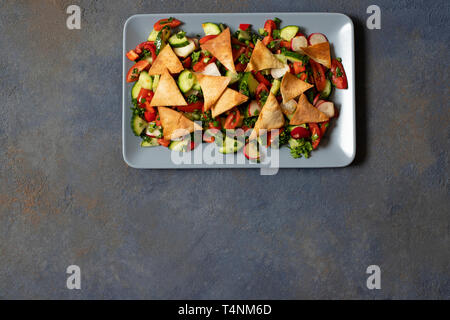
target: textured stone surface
<point>67,196</point>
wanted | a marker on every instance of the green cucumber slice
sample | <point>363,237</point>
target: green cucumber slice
<point>288,32</point>
<point>211,28</point>
<point>186,81</point>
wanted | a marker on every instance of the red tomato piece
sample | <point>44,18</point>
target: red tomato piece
<point>258,76</point>
<point>132,55</point>
<point>171,23</point>
<point>261,87</point>
<point>300,133</point>
<point>269,26</point>
<point>232,119</point>
<point>319,75</point>
<point>187,62</point>
<point>316,134</point>
<point>285,44</point>
<point>149,116</point>
<point>244,26</point>
<point>191,107</point>
<point>133,73</point>
<point>240,67</point>
<point>164,142</point>
<point>237,52</point>
<point>267,40</point>
<point>324,127</point>
<point>299,67</point>
<point>207,38</point>
<point>339,78</point>
<point>143,94</point>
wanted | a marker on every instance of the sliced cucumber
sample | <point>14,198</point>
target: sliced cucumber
<point>186,81</point>
<point>327,91</point>
<point>155,82</point>
<point>288,32</point>
<point>211,28</point>
<point>275,86</point>
<point>293,56</point>
<point>135,90</point>
<point>230,145</point>
<point>196,85</point>
<point>161,39</point>
<point>181,145</point>
<point>251,82</point>
<point>138,124</point>
<point>152,36</point>
<point>234,77</point>
<point>243,35</point>
<point>185,50</point>
<point>178,40</point>
<point>281,57</point>
<point>145,80</point>
<point>151,142</point>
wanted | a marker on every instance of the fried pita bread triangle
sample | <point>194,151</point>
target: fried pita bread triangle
<point>307,113</point>
<point>271,117</point>
<point>229,99</point>
<point>212,88</point>
<point>262,59</point>
<point>167,92</point>
<point>166,59</point>
<point>175,124</point>
<point>320,53</point>
<point>220,47</point>
<point>291,87</point>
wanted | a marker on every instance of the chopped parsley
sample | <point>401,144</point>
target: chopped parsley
<point>250,122</point>
<point>338,72</point>
<point>277,22</point>
<point>263,97</point>
<point>192,98</point>
<point>276,33</point>
<point>300,147</point>
<point>195,56</point>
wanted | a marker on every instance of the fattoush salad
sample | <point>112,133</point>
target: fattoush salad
<point>272,84</point>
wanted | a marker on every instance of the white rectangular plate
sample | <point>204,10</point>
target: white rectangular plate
<point>338,147</point>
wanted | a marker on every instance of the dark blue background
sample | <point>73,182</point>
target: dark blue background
<point>67,197</point>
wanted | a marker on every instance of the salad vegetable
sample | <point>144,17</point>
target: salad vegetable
<point>259,80</point>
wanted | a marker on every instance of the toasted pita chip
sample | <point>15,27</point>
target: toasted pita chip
<point>262,59</point>
<point>175,124</point>
<point>291,87</point>
<point>220,47</point>
<point>307,113</point>
<point>212,88</point>
<point>167,92</point>
<point>166,59</point>
<point>271,117</point>
<point>229,99</point>
<point>320,53</point>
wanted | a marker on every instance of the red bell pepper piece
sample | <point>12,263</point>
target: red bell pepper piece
<point>244,26</point>
<point>133,73</point>
<point>171,23</point>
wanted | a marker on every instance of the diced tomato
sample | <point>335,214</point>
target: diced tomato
<point>303,76</point>
<point>200,65</point>
<point>158,121</point>
<point>144,94</point>
<point>132,55</point>
<point>298,67</point>
<point>269,26</point>
<point>316,134</point>
<point>207,38</point>
<point>324,127</point>
<point>285,44</point>
<point>299,133</point>
<point>339,78</point>
<point>191,107</point>
<point>171,23</point>
<point>240,67</point>
<point>244,26</point>
<point>149,116</point>
<point>232,119</point>
<point>267,40</point>
<point>187,62</point>
<point>164,142</point>
<point>133,73</point>
<point>237,52</point>
<point>261,78</point>
<point>319,75</point>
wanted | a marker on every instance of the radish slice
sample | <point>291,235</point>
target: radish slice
<point>298,43</point>
<point>251,151</point>
<point>278,73</point>
<point>254,109</point>
<point>319,102</point>
<point>211,70</point>
<point>289,107</point>
<point>316,38</point>
<point>327,108</point>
